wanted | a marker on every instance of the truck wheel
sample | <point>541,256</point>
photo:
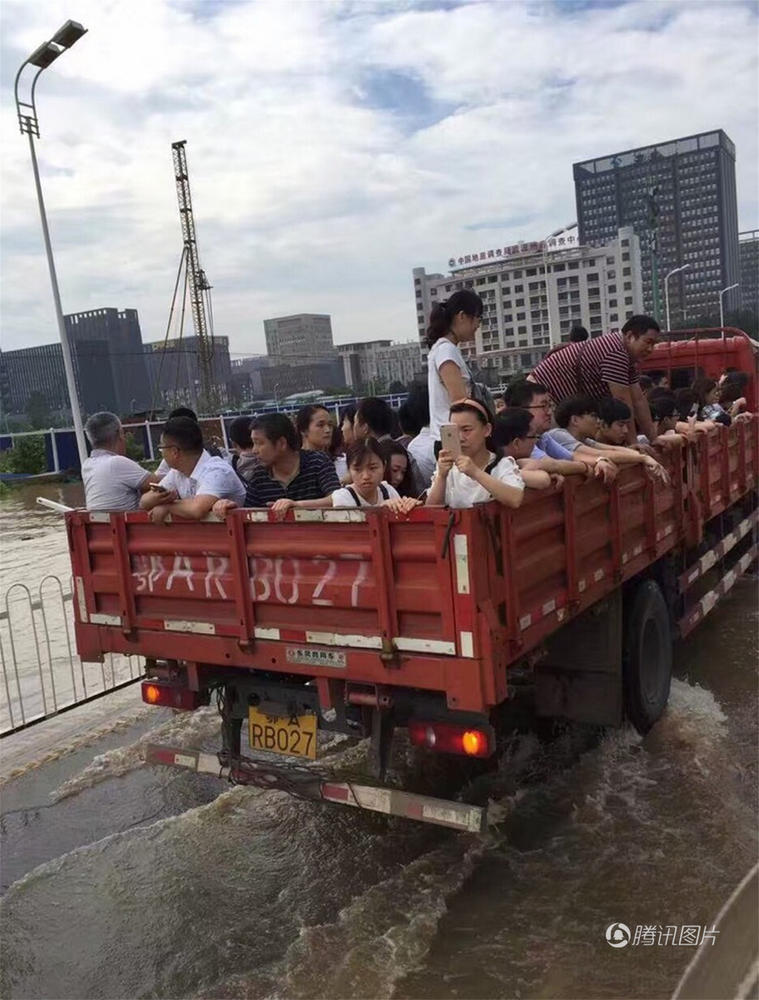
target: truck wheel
<point>647,656</point>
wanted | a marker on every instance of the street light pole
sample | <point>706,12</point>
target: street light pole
<point>666,288</point>
<point>722,302</point>
<point>41,58</point>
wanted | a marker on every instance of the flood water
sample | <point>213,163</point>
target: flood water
<point>40,669</point>
<point>127,881</point>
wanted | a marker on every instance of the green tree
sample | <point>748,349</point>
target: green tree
<point>38,411</point>
<point>26,456</point>
<point>134,450</point>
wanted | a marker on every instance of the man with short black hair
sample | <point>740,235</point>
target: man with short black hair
<point>195,481</point>
<point>514,434</point>
<point>374,418</point>
<point>613,417</point>
<point>283,470</point>
<point>534,397</point>
<point>604,366</point>
<point>111,480</point>
<point>243,459</point>
<point>577,334</point>
<point>578,423</point>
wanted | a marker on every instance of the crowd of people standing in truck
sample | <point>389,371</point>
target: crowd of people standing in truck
<point>585,410</point>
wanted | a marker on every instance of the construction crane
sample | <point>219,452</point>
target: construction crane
<point>196,282</point>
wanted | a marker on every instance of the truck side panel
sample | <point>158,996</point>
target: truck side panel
<point>441,601</point>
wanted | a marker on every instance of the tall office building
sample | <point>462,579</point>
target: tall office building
<point>749,277</point>
<point>300,339</point>
<point>686,185</point>
<point>533,293</point>
<point>109,358</point>
<point>33,370</point>
<point>109,366</point>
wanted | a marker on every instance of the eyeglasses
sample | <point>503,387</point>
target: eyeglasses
<point>168,447</point>
<point>548,405</point>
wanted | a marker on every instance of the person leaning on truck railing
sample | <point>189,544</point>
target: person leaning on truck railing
<point>578,422</point>
<point>604,366</point>
<point>283,471</point>
<point>195,481</point>
<point>111,480</point>
<point>665,418</point>
<point>535,397</point>
<point>366,465</point>
<point>477,474</point>
<point>614,420</point>
<point>732,395</point>
<point>514,434</point>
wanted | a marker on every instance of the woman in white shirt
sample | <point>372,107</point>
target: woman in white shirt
<point>448,376</point>
<point>477,475</point>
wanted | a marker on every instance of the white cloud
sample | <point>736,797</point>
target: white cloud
<point>310,191</point>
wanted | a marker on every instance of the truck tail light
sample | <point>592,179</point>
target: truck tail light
<point>171,696</point>
<point>446,737</point>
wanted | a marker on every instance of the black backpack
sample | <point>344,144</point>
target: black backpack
<point>383,491</point>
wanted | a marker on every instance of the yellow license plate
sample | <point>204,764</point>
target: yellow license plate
<point>294,736</point>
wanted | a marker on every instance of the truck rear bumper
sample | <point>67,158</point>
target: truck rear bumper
<point>302,782</point>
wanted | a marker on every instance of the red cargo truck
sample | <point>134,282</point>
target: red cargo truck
<point>361,622</point>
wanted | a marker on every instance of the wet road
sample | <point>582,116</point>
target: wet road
<point>126,881</point>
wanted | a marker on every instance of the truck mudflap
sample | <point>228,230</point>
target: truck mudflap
<point>304,783</point>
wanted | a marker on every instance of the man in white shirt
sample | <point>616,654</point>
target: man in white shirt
<point>111,480</point>
<point>195,481</point>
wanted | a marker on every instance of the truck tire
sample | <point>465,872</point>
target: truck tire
<point>647,656</point>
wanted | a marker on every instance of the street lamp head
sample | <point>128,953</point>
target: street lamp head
<point>44,55</point>
<point>69,33</point>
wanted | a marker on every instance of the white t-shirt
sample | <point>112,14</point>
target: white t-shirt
<point>112,482</point>
<point>440,403</point>
<point>212,476</point>
<point>343,498</point>
<point>422,450</point>
<point>341,467</point>
<point>463,491</point>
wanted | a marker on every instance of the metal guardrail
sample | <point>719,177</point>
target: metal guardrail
<point>41,673</point>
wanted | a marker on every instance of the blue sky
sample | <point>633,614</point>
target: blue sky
<point>335,146</point>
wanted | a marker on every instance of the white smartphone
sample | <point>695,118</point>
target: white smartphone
<point>449,439</point>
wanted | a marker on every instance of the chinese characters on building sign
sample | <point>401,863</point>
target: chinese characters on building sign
<point>561,242</point>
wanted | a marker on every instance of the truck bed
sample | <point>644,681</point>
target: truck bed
<point>441,600</point>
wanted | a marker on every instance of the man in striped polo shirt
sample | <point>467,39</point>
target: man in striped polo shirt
<point>283,469</point>
<point>604,366</point>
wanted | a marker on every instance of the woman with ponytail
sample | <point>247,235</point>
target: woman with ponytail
<point>448,377</point>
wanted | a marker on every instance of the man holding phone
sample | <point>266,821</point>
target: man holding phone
<point>195,481</point>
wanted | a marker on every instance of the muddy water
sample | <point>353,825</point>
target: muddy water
<point>41,671</point>
<point>131,881</point>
